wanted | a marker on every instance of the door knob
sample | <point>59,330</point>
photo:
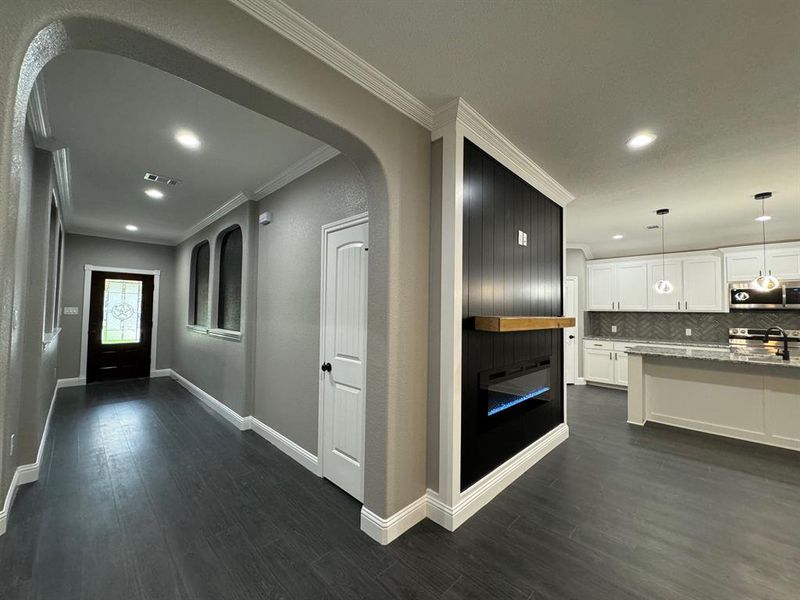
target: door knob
<point>572,337</point>
<point>326,367</point>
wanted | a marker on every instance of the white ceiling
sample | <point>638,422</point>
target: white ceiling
<point>570,82</point>
<point>118,117</point>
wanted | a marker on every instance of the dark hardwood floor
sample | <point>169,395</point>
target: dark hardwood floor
<point>146,494</point>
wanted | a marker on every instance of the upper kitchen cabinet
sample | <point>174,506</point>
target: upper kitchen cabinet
<point>745,263</point>
<point>616,285</point>
<point>628,285</point>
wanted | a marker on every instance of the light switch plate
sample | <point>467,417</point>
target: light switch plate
<point>613,329</point>
<point>688,332</point>
<point>522,238</point>
<point>70,310</point>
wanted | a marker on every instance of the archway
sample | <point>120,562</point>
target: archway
<point>225,51</point>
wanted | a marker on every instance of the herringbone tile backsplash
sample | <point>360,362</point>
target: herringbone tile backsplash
<point>706,327</point>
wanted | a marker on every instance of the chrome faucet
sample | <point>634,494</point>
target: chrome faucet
<point>785,352</point>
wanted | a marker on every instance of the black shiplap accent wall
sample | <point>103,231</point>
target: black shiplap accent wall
<point>501,277</point>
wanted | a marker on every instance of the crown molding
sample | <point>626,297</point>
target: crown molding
<point>486,135</point>
<point>38,121</point>
<point>587,251</point>
<point>300,168</point>
<point>63,171</point>
<point>296,28</point>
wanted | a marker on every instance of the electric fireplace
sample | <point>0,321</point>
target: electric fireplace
<point>513,390</point>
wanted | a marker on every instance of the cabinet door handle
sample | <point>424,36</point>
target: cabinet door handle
<point>685,305</point>
<point>609,356</point>
<point>679,304</point>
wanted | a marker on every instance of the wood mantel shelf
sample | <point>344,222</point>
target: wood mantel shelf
<point>505,324</point>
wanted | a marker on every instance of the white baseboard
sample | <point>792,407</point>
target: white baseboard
<point>161,373</point>
<point>25,474</point>
<point>71,382</point>
<point>580,381</point>
<point>287,446</point>
<point>387,530</point>
<point>481,493</point>
<point>243,423</point>
<point>280,441</point>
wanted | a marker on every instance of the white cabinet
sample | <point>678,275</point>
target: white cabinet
<point>628,285</point>
<point>598,365</point>
<point>742,265</point>
<point>600,287</point>
<point>702,284</point>
<point>620,368</point>
<point>672,302</point>
<point>617,286</point>
<point>631,286</point>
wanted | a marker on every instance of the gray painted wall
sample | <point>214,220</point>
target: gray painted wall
<point>219,47</point>
<point>31,390</point>
<point>288,303</point>
<point>81,250</point>
<point>218,366</point>
<point>576,266</point>
<point>434,314</point>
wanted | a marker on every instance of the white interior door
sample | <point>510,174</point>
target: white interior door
<point>344,345</point>
<point>571,333</point>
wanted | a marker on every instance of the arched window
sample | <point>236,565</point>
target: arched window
<point>229,310</point>
<point>198,290</point>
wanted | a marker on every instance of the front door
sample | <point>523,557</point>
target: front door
<point>120,326</point>
<point>344,344</point>
<point>570,333</point>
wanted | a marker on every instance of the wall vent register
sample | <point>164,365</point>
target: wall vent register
<point>161,179</point>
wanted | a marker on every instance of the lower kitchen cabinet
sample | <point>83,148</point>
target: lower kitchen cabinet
<point>607,362</point>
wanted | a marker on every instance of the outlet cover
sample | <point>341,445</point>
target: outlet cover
<point>688,332</point>
<point>613,329</point>
<point>70,310</point>
<point>522,238</point>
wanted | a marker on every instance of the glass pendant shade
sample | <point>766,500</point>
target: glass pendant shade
<point>765,283</point>
<point>663,286</point>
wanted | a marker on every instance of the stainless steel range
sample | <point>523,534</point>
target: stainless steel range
<point>753,340</point>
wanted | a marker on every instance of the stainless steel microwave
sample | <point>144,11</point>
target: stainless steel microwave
<point>784,297</point>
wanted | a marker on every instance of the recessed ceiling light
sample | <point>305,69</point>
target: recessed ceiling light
<point>763,218</point>
<point>618,236</point>
<point>187,139</point>
<point>640,140</point>
<point>154,193</point>
<point>131,228</point>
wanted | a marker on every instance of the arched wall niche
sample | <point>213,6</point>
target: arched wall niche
<point>220,48</point>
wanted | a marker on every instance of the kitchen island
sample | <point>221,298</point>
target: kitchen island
<point>723,391</point>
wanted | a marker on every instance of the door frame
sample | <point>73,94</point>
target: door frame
<point>327,229</point>
<point>578,324</point>
<point>87,292</point>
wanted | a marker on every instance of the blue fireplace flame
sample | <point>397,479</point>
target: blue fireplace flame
<point>513,401</point>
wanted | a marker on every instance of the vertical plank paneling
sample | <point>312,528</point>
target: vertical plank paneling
<point>504,278</point>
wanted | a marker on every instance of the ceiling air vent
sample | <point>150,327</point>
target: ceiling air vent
<point>652,226</point>
<point>161,179</point>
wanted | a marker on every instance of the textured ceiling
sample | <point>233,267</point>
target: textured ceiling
<point>118,117</point>
<point>570,81</point>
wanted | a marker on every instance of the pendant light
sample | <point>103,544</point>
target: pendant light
<point>663,285</point>
<point>766,281</point>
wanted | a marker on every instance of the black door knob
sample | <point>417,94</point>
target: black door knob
<point>572,337</point>
<point>326,367</point>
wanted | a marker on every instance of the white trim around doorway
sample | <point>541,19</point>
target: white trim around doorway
<point>87,292</point>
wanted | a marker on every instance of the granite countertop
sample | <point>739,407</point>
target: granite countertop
<point>659,342</point>
<point>719,354</point>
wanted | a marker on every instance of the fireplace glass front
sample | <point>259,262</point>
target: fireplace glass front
<point>519,387</point>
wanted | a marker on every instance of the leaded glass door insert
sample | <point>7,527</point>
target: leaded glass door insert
<point>122,312</point>
<point>119,344</point>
